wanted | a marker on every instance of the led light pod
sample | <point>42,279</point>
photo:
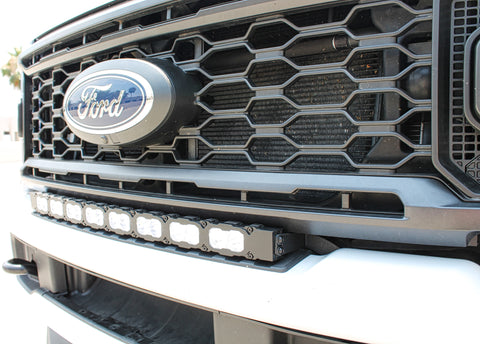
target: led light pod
<point>149,226</point>
<point>119,220</point>
<point>94,215</point>
<point>233,240</point>
<point>185,232</point>
<point>73,211</point>
<point>57,207</point>
<point>254,242</point>
<point>41,203</point>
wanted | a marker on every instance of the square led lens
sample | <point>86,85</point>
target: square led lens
<point>232,240</point>
<point>42,203</point>
<point>119,221</point>
<point>56,207</point>
<point>148,226</point>
<point>188,233</point>
<point>94,216</point>
<point>73,211</point>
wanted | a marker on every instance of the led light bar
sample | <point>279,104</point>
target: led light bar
<point>254,242</point>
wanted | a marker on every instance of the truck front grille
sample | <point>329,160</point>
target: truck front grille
<point>339,119</point>
<point>325,89</point>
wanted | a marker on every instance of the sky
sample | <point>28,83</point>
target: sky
<point>23,20</point>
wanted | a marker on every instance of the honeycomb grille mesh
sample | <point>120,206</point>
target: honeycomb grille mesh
<point>308,91</point>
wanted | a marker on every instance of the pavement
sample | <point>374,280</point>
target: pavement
<point>17,324</point>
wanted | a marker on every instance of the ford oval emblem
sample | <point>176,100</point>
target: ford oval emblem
<point>109,100</point>
<point>124,101</point>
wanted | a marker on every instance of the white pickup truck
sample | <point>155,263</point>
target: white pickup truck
<point>254,171</point>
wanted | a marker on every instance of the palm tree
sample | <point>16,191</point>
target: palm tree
<point>10,69</point>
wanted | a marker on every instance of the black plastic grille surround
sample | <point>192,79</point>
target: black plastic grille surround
<point>324,90</point>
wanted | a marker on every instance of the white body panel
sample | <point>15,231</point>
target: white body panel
<point>359,295</point>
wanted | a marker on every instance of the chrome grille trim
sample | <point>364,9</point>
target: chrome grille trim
<point>232,11</point>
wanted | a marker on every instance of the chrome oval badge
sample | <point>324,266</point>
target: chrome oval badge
<point>125,101</point>
<point>106,101</point>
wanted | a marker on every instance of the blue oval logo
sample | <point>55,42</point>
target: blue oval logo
<point>105,101</point>
<point>120,102</point>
